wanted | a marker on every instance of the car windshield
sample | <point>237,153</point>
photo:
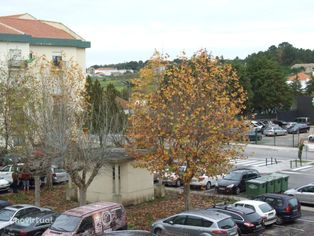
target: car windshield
<point>66,223</point>
<point>226,224</point>
<point>6,214</point>
<point>252,217</point>
<point>233,176</point>
<point>58,170</point>
<point>265,207</point>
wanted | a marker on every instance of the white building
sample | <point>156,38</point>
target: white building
<point>23,37</point>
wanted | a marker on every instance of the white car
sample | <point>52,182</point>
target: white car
<point>205,181</point>
<point>59,175</point>
<point>266,211</point>
<point>10,214</point>
<point>4,185</point>
<point>6,172</point>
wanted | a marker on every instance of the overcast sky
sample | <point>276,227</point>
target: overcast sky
<point>125,30</point>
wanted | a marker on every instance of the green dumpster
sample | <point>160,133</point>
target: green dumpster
<point>270,183</point>
<point>284,181</point>
<point>278,181</point>
<point>255,187</point>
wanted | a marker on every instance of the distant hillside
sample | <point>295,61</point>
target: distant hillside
<point>132,65</point>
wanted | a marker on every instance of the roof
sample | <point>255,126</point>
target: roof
<point>90,208</point>
<point>253,202</point>
<point>35,28</point>
<point>238,209</point>
<point>303,65</point>
<point>26,28</point>
<point>276,195</point>
<point>208,214</point>
<point>302,76</point>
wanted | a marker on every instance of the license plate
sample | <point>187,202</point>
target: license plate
<point>222,188</point>
<point>258,226</point>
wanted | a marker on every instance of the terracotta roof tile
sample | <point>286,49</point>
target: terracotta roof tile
<point>35,28</point>
<point>300,76</point>
<point>6,30</point>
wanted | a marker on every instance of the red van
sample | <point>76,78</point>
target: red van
<point>92,220</point>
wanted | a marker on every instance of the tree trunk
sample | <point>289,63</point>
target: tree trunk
<point>37,190</point>
<point>82,197</point>
<point>49,182</point>
<point>187,198</point>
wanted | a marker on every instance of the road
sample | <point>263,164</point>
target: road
<point>297,175</point>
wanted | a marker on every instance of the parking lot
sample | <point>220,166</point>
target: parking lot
<point>301,227</point>
<point>289,140</point>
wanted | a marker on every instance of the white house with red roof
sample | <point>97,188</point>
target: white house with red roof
<point>23,37</point>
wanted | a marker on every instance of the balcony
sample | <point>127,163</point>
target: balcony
<point>17,64</point>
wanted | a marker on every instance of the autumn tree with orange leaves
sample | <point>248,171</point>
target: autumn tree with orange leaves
<point>187,113</point>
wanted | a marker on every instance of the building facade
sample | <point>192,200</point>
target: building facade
<point>23,37</point>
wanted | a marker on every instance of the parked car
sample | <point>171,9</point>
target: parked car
<point>235,181</point>
<point>205,181</point>
<point>4,204</point>
<point>247,220</point>
<point>299,128</point>
<point>256,125</point>
<point>266,211</point>
<point>290,125</point>
<point>92,219</point>
<point>128,233</point>
<point>287,207</point>
<point>281,123</point>
<point>59,175</point>
<point>173,179</point>
<point>33,224</point>
<point>6,171</point>
<point>198,222</point>
<point>10,214</point>
<point>274,131</point>
<point>304,120</point>
<point>4,185</point>
<point>254,136</point>
<point>305,193</point>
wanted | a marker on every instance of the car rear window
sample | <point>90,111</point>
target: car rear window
<point>265,207</point>
<point>293,202</point>
<point>226,224</point>
<point>252,217</point>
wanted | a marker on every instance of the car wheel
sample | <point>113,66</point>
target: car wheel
<point>237,191</point>
<point>279,221</point>
<point>178,183</point>
<point>208,185</point>
<point>157,231</point>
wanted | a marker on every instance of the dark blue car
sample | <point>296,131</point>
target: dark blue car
<point>287,207</point>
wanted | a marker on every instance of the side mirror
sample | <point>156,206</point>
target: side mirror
<point>170,222</point>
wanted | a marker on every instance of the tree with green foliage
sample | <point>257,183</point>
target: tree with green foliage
<point>271,92</point>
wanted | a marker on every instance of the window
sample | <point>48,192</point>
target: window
<point>56,58</point>
<point>250,207</point>
<point>86,224</point>
<point>207,223</point>
<point>239,204</point>
<point>179,220</point>
<point>5,169</point>
<point>194,221</point>
<point>265,207</point>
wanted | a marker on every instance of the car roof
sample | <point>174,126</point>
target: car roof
<point>238,209</point>
<point>20,206</point>
<point>91,208</point>
<point>276,195</point>
<point>207,214</point>
<point>251,202</point>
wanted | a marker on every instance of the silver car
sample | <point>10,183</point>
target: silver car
<point>305,194</point>
<point>196,223</point>
<point>274,131</point>
<point>59,175</point>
